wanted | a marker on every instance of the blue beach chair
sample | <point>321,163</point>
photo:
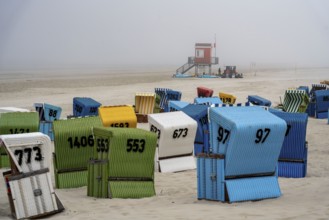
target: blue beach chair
<point>245,151</point>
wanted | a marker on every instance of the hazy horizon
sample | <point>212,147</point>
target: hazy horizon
<point>78,34</point>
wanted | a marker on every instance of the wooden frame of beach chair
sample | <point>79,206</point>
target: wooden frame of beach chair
<point>122,165</point>
<point>15,123</point>
<point>245,151</point>
<point>295,101</point>
<point>84,106</point>
<point>176,134</point>
<point>73,147</point>
<point>144,105</point>
<point>29,187</point>
<point>227,98</point>
<point>47,114</point>
<point>293,156</point>
<point>122,116</point>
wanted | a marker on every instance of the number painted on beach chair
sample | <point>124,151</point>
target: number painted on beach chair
<point>103,145</point>
<point>78,108</point>
<point>20,153</point>
<point>52,113</point>
<point>82,142</point>
<point>181,132</point>
<point>18,130</point>
<point>135,145</point>
<point>261,135</point>
<point>204,120</point>
<point>223,134</point>
<point>120,125</point>
<point>156,130</point>
<point>226,99</point>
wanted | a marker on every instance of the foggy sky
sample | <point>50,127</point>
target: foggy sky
<point>105,33</point>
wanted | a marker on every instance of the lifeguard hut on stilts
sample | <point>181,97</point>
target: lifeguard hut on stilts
<point>202,61</point>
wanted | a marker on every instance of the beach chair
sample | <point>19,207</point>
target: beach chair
<point>166,95</point>
<point>144,105</point>
<point>29,187</point>
<point>321,103</point>
<point>227,98</point>
<point>200,114</point>
<point>84,106</point>
<point>177,105</point>
<point>204,92</point>
<point>245,151</point>
<point>176,134</point>
<point>295,101</point>
<point>47,114</point>
<point>208,100</point>
<point>311,108</point>
<point>122,165</point>
<point>161,92</point>
<point>73,147</point>
<point>118,116</point>
<point>16,123</point>
<point>293,156</point>
<point>257,100</point>
<point>316,87</point>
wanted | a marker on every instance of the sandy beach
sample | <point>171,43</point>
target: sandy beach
<point>176,193</point>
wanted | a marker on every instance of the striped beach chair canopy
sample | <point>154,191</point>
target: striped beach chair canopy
<point>204,92</point>
<point>295,101</point>
<point>85,106</point>
<point>29,185</point>
<point>74,144</point>
<point>176,134</point>
<point>245,153</point>
<point>227,98</point>
<point>16,123</point>
<point>122,116</point>
<point>145,103</point>
<point>122,165</point>
<point>166,95</point>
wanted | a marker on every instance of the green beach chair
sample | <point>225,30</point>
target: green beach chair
<point>74,144</point>
<point>295,101</point>
<point>16,123</point>
<point>123,163</point>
